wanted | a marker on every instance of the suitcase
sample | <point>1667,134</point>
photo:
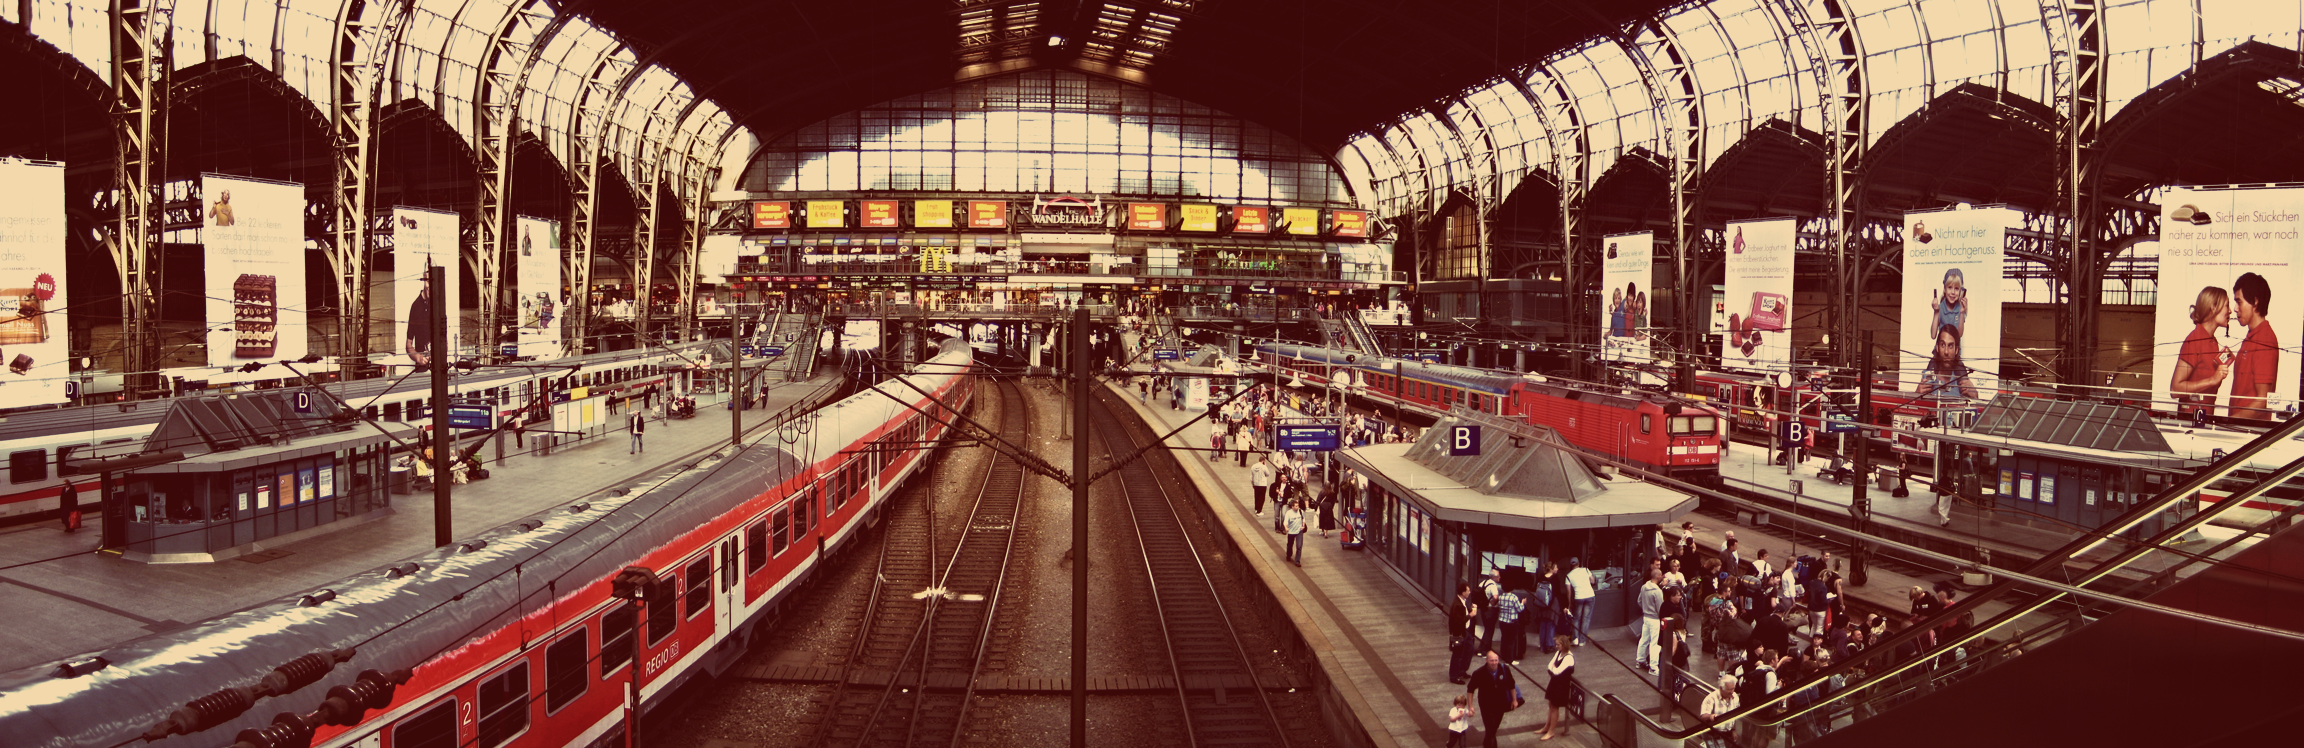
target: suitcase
<point>72,521</point>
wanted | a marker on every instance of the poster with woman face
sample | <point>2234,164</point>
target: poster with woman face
<point>1950,337</point>
<point>1755,311</point>
<point>1626,261</point>
<point>2227,257</point>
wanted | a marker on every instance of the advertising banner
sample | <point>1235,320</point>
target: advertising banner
<point>772,215</point>
<point>253,237</point>
<point>2226,257</point>
<point>987,214</point>
<point>1198,218</point>
<point>541,301</point>
<point>1350,223</point>
<point>423,238</point>
<point>1626,264</point>
<point>1251,219</point>
<point>879,214</point>
<point>932,214</point>
<point>827,214</point>
<point>1301,221</point>
<point>1756,329</point>
<point>34,342</point>
<point>1950,337</point>
<point>1147,217</point>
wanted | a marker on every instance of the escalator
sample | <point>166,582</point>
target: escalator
<point>2105,641</point>
<point>1366,338</point>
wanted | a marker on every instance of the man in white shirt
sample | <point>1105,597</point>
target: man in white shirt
<point>1721,702</point>
<point>1762,569</point>
<point>1651,601</point>
<point>1580,587</point>
<point>1260,476</point>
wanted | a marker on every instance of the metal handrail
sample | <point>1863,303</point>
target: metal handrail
<point>2011,580</point>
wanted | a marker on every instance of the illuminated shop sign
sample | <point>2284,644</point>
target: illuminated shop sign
<point>1147,217</point>
<point>1068,210</point>
<point>772,215</point>
<point>932,214</point>
<point>826,214</point>
<point>1349,223</point>
<point>879,214</point>
<point>1301,221</point>
<point>987,214</point>
<point>1198,218</point>
<point>1251,220</point>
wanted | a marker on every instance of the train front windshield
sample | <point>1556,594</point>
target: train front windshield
<point>1694,425</point>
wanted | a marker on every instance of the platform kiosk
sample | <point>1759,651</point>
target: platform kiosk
<point>1480,490</point>
<point>222,477</point>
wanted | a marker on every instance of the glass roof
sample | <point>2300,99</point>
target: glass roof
<point>1748,68</point>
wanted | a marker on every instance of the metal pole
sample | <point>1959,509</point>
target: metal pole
<point>735,400</point>
<point>443,530</point>
<point>1080,529</point>
<point>1861,500</point>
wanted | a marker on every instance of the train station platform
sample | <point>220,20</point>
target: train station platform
<point>60,596</point>
<point>1383,637</point>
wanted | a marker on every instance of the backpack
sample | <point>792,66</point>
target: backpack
<point>1542,610</point>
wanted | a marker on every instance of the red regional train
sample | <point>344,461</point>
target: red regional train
<point>513,638</point>
<point>1655,432</point>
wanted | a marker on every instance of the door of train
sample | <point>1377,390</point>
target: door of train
<point>730,592</point>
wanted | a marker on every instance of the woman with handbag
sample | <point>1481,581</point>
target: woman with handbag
<point>1560,691</point>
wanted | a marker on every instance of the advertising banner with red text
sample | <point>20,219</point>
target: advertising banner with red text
<point>772,215</point>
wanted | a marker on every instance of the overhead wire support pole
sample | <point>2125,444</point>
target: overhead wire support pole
<point>1080,483</point>
<point>443,528</point>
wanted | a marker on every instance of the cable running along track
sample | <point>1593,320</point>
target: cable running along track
<point>1207,659</point>
<point>920,646</point>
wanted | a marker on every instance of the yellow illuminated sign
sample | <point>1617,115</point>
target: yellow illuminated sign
<point>932,214</point>
<point>1199,218</point>
<point>1301,221</point>
<point>826,214</point>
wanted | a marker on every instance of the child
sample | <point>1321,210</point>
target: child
<point>1459,719</point>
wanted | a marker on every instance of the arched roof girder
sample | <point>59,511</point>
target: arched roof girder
<point>540,180</point>
<point>421,160</point>
<point>1972,144</point>
<point>67,106</point>
<point>2233,119</point>
<point>236,116</point>
<point>1530,213</point>
<point>1630,195</point>
<point>1774,169</point>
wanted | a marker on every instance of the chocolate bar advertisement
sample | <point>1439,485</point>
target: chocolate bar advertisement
<point>422,238</point>
<point>1950,336</point>
<point>1755,312</point>
<point>542,305</point>
<point>1625,317</point>
<point>252,232</point>
<point>2225,327</point>
<point>33,335</point>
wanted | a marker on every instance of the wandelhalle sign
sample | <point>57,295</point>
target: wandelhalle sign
<point>1068,211</point>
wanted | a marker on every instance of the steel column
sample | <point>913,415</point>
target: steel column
<point>139,68</point>
<point>2076,36</point>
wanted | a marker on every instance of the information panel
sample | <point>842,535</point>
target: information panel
<point>1625,269</point>
<point>253,237</point>
<point>1755,313</point>
<point>33,339</point>
<point>423,238</point>
<point>541,303</point>
<point>2226,257</point>
<point>1950,337</point>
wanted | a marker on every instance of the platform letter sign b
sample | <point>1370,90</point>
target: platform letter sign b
<point>1464,441</point>
<point>1795,432</point>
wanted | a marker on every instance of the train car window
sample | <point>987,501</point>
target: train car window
<point>756,547</point>
<point>1645,422</point>
<point>28,466</point>
<point>391,411</point>
<point>803,513</point>
<point>567,669</point>
<point>434,728</point>
<point>699,584</point>
<point>503,706</point>
<point>781,536</point>
<point>664,609</point>
<point>616,637</point>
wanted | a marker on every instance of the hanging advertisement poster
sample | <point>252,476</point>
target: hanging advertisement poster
<point>1249,219</point>
<point>2226,257</point>
<point>827,214</point>
<point>772,215</point>
<point>878,214</point>
<point>541,303</point>
<point>1950,338</point>
<point>1756,332</point>
<point>1626,262</point>
<point>1147,217</point>
<point>1301,221</point>
<point>33,339</point>
<point>932,214</point>
<point>1349,223</point>
<point>253,237</point>
<point>1198,218</point>
<point>420,239</point>
<point>987,214</point>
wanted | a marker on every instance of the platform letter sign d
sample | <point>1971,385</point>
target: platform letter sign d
<point>303,402</point>
<point>1464,441</point>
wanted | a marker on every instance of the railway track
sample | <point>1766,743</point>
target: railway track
<point>1210,666</point>
<point>923,639</point>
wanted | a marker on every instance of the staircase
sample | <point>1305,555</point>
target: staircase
<point>1357,330</point>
